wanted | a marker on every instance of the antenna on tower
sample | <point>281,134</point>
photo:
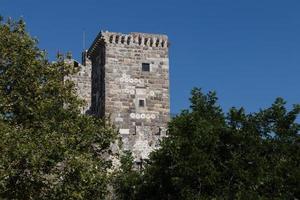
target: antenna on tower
<point>83,40</point>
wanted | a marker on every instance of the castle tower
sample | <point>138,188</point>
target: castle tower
<point>130,86</point>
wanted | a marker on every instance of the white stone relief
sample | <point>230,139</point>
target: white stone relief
<point>142,116</point>
<point>124,131</point>
<point>153,116</point>
<point>129,91</point>
<point>132,115</point>
<point>119,118</point>
<point>127,79</point>
<point>152,93</point>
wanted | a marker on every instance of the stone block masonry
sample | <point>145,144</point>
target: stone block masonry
<point>82,81</point>
<point>130,86</point>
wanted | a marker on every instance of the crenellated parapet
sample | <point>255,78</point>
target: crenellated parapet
<point>136,39</point>
<point>130,87</point>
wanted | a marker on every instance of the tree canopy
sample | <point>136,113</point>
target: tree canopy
<point>48,149</point>
<point>212,155</point>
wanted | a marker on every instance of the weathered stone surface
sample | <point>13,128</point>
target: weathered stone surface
<point>136,101</point>
<point>82,81</point>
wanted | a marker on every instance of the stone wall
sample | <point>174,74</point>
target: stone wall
<point>82,81</point>
<point>136,101</point>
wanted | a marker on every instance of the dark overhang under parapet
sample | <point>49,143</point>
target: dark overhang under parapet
<point>138,39</point>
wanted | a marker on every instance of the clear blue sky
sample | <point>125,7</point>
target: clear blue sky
<point>248,51</point>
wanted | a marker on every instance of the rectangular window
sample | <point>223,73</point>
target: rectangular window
<point>141,103</point>
<point>145,67</point>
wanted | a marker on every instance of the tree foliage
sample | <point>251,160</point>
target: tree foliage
<point>212,155</point>
<point>48,149</point>
<point>126,179</point>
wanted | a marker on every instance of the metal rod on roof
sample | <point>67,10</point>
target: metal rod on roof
<point>83,40</point>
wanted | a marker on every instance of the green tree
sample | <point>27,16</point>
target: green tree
<point>48,149</point>
<point>212,155</point>
<point>126,179</point>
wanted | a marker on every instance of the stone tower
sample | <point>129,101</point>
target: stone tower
<point>130,86</point>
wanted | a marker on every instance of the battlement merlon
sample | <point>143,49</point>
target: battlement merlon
<point>134,38</point>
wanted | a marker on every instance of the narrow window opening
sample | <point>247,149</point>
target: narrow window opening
<point>145,67</point>
<point>141,103</point>
<point>135,130</point>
